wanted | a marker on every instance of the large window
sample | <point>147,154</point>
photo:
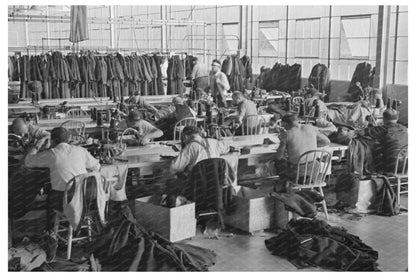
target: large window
<point>355,37</point>
<point>307,38</point>
<point>230,37</point>
<point>268,39</point>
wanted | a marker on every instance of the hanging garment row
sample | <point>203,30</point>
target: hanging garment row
<point>88,74</point>
<point>282,77</point>
<point>237,72</point>
<point>176,75</point>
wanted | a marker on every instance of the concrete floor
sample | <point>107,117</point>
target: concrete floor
<point>387,235</point>
<point>244,252</point>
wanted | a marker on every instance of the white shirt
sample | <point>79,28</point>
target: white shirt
<point>193,153</point>
<point>64,162</point>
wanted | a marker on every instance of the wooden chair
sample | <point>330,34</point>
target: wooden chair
<point>78,127</point>
<point>296,102</point>
<point>400,177</point>
<point>89,226</point>
<point>312,168</point>
<point>253,125</point>
<point>180,125</point>
<point>76,113</point>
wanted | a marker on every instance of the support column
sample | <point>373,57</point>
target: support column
<point>380,77</point>
<point>112,28</point>
<point>163,16</point>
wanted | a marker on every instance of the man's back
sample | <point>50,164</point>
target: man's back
<point>300,140</point>
<point>64,162</point>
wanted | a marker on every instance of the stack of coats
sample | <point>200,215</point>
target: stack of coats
<point>319,77</point>
<point>282,77</point>
<point>189,65</point>
<point>88,74</point>
<point>364,73</point>
<point>176,75</point>
<point>235,71</point>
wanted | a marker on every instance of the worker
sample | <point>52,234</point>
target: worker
<point>23,128</point>
<point>313,101</point>
<point>218,84</point>
<point>390,137</point>
<point>294,141</point>
<point>64,162</point>
<point>245,108</point>
<point>181,109</point>
<point>199,75</point>
<point>146,131</point>
<point>141,103</point>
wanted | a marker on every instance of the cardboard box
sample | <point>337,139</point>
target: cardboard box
<point>253,211</point>
<point>173,224</point>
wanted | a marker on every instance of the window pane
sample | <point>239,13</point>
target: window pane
<point>230,31</point>
<point>355,37</point>
<point>268,38</point>
<point>307,38</point>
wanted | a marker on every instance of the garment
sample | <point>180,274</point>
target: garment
<point>76,198</point>
<point>360,156</point>
<point>364,74</point>
<point>197,150</point>
<point>319,77</point>
<point>390,138</point>
<point>183,111</point>
<point>219,86</point>
<point>310,105</point>
<point>64,162</point>
<point>307,242</point>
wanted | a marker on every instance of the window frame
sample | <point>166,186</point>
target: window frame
<point>310,38</point>
<point>355,58</point>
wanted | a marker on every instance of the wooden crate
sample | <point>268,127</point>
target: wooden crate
<point>253,211</point>
<point>174,224</point>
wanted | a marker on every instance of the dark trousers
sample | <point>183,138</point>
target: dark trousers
<point>54,202</point>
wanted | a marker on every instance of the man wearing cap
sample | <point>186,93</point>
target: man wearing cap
<point>146,130</point>
<point>390,137</point>
<point>199,75</point>
<point>245,108</point>
<point>141,103</point>
<point>22,128</point>
<point>218,84</point>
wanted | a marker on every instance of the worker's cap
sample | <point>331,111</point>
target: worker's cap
<point>134,116</point>
<point>391,114</point>
<point>177,100</point>
<point>216,63</point>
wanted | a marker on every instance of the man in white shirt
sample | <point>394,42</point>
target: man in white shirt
<point>196,149</point>
<point>218,84</point>
<point>199,75</point>
<point>64,162</point>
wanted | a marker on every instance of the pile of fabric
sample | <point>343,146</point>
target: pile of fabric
<point>176,75</point>
<point>282,77</point>
<point>351,115</point>
<point>361,81</point>
<point>319,77</point>
<point>313,242</point>
<point>88,74</point>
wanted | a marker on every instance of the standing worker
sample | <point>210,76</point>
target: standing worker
<point>218,84</point>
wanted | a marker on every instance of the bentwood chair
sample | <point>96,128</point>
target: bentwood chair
<point>76,113</point>
<point>76,127</point>
<point>180,125</point>
<point>312,168</point>
<point>253,125</point>
<point>400,178</point>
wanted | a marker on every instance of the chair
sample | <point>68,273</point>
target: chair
<point>296,102</point>
<point>177,131</point>
<point>207,188</point>
<point>253,125</point>
<point>76,113</point>
<point>89,226</point>
<point>77,127</point>
<point>312,168</point>
<point>128,131</point>
<point>400,176</point>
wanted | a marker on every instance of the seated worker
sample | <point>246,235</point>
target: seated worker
<point>296,140</point>
<point>146,130</point>
<point>199,75</point>
<point>23,128</point>
<point>313,100</point>
<point>390,137</point>
<point>245,108</point>
<point>141,103</point>
<point>181,109</point>
<point>64,162</point>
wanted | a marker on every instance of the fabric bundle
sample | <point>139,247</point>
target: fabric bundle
<point>235,72</point>
<point>176,75</point>
<point>282,77</point>
<point>319,77</point>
